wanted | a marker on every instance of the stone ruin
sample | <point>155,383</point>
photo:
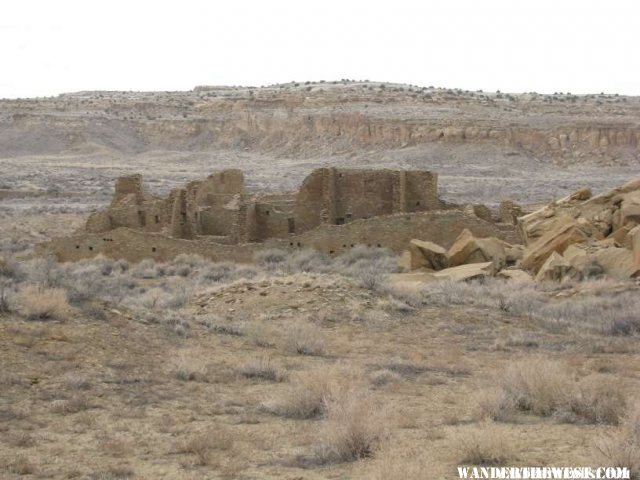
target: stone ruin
<point>334,210</point>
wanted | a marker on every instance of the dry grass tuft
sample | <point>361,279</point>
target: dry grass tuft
<point>398,463</point>
<point>355,428</point>
<point>190,368</point>
<point>204,444</point>
<point>547,388</point>
<point>37,303</point>
<point>262,370</point>
<point>121,472</point>
<point>309,393</point>
<point>305,339</point>
<point>383,377</point>
<point>76,404</point>
<point>622,449</point>
<point>485,445</point>
<point>20,466</point>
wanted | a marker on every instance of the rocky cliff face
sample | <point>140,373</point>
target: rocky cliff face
<point>326,118</point>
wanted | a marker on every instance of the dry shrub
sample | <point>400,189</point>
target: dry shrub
<point>261,370</point>
<point>538,386</point>
<point>547,388</point>
<point>304,339</point>
<point>204,444</point>
<point>190,367</point>
<point>37,303</point>
<point>21,440</point>
<point>398,463</point>
<point>485,445</point>
<point>309,393</point>
<point>622,448</point>
<point>120,472</point>
<point>355,428</point>
<point>260,333</point>
<point>20,466</point>
<point>382,377</point>
<point>76,404</point>
<point>7,295</point>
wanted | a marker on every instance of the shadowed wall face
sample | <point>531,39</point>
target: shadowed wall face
<point>337,196</point>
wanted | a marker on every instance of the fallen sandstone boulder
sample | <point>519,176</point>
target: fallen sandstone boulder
<point>604,213</point>
<point>460,273</point>
<point>556,240</point>
<point>516,275</point>
<point>424,254</point>
<point>556,268</point>
<point>467,249</point>
<point>470,271</point>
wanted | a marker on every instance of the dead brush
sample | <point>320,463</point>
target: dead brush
<point>78,403</point>
<point>548,388</point>
<point>203,445</point>
<point>485,445</point>
<point>354,428</point>
<point>261,370</point>
<point>308,393</point>
<point>42,303</point>
<point>622,447</point>
<point>305,339</point>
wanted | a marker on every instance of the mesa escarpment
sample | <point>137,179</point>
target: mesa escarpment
<point>327,118</point>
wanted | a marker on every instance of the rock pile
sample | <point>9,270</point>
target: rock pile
<point>577,237</point>
<point>589,235</point>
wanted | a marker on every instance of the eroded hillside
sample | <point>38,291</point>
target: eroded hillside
<point>326,118</point>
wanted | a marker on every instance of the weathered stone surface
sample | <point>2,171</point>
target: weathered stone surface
<point>557,239</point>
<point>404,261</point>
<point>469,249</point>
<point>598,216</point>
<point>616,262</point>
<point>555,268</point>
<point>515,275</point>
<point>427,255</point>
<point>634,241</point>
<point>470,271</point>
<point>514,254</point>
<point>454,274</point>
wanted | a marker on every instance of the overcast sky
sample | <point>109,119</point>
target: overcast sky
<point>49,47</point>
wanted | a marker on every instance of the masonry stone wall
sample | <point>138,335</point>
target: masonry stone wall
<point>396,231</point>
<point>334,210</point>
<point>337,196</point>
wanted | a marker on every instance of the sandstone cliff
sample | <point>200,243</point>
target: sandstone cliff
<point>326,118</point>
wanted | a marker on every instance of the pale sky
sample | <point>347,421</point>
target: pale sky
<point>50,47</point>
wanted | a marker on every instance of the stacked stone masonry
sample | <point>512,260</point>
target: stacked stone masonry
<point>334,210</point>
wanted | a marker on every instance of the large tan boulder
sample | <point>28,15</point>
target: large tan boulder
<point>467,272</point>
<point>599,215</point>
<point>534,225</point>
<point>429,255</point>
<point>616,262</point>
<point>461,273</point>
<point>628,211</point>
<point>515,275</point>
<point>555,268</point>
<point>468,249</point>
<point>557,239</point>
<point>634,241</point>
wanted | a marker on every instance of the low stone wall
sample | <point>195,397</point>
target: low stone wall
<point>396,231</point>
<point>134,245</point>
<point>392,231</point>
